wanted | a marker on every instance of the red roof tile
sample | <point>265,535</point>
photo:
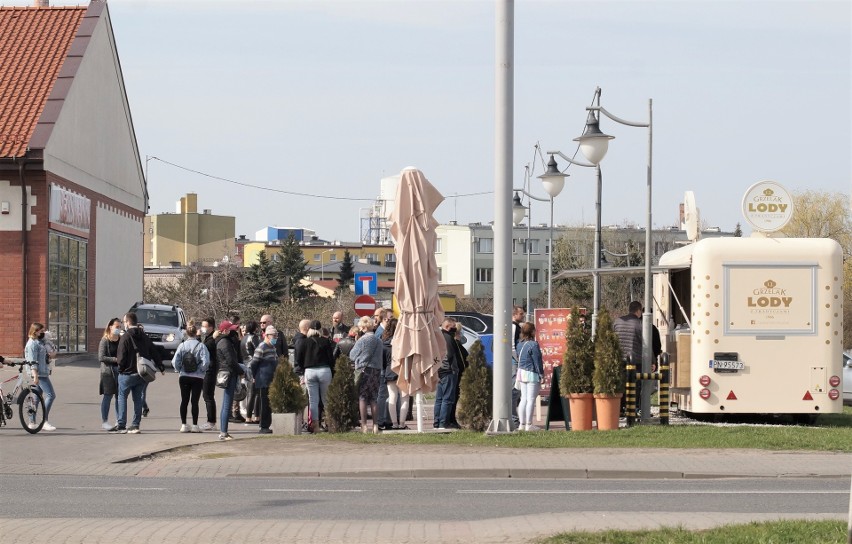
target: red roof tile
<point>33,45</point>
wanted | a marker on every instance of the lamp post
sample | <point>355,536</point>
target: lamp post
<point>322,264</point>
<point>594,145</point>
<point>519,211</point>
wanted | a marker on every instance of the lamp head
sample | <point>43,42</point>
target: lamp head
<point>593,142</point>
<point>553,180</point>
<point>519,211</point>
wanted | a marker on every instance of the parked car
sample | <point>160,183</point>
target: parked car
<point>475,321</point>
<point>847,379</point>
<point>164,325</point>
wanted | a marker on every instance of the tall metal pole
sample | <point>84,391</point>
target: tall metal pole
<point>647,334</point>
<point>528,249</point>
<point>503,150</point>
<point>550,261</point>
<point>597,258</point>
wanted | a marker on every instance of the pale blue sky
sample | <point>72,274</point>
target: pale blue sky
<point>328,97</point>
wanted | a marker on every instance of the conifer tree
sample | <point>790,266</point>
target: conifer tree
<point>609,371</point>
<point>474,411</point>
<point>347,271</point>
<point>285,394</point>
<point>341,410</point>
<point>292,269</point>
<point>261,287</point>
<point>578,364</point>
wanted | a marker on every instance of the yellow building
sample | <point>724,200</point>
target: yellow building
<point>187,236</point>
<point>317,255</point>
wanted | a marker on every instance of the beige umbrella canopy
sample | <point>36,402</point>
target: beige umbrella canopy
<point>418,346</point>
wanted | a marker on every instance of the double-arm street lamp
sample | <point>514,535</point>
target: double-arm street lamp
<point>322,263</point>
<point>594,145</point>
<point>553,182</point>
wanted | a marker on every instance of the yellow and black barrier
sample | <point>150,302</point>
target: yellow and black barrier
<point>630,389</point>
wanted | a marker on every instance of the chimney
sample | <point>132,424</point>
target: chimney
<point>41,3</point>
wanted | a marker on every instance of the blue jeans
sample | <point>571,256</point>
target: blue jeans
<point>106,398</point>
<point>49,394</point>
<point>227,401</point>
<point>317,380</point>
<point>130,384</point>
<point>445,399</point>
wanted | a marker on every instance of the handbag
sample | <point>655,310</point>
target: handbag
<point>240,392</point>
<point>145,367</point>
<point>222,378</point>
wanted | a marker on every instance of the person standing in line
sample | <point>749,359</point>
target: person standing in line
<point>518,316</point>
<point>530,373</point>
<point>314,356</point>
<point>208,389</point>
<point>451,420</point>
<point>35,353</point>
<point>190,361</point>
<point>628,328</point>
<point>262,367</point>
<point>445,400</point>
<point>368,355</point>
<point>133,341</point>
<point>235,415</point>
<point>344,346</point>
<point>379,318</point>
<point>280,344</point>
<point>228,357</point>
<point>250,341</point>
<point>339,330</point>
<point>108,357</point>
<point>397,400</point>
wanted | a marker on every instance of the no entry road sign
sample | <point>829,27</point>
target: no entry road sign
<point>365,305</point>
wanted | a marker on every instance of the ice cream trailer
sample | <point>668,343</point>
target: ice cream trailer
<point>753,325</point>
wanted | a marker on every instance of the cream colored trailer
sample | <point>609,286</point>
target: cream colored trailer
<point>756,325</point>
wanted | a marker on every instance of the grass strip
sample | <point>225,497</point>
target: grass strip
<point>773,532</point>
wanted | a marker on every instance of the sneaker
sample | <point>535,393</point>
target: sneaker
<point>48,427</point>
<point>184,428</point>
<point>533,428</point>
<point>453,426</point>
<point>118,430</point>
<point>225,436</point>
<point>264,430</point>
<point>236,418</point>
<point>208,426</point>
<point>195,429</point>
<point>133,429</point>
<point>145,411</point>
<point>106,426</point>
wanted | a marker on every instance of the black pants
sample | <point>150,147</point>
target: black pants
<point>208,391</point>
<point>190,390</point>
<point>264,411</point>
<point>253,401</point>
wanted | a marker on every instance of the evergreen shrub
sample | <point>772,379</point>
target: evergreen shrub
<point>341,410</point>
<point>475,402</point>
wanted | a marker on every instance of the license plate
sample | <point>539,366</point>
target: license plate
<point>727,365</point>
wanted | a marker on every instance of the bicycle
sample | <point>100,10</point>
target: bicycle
<point>28,397</point>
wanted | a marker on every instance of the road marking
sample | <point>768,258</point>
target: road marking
<point>104,488</point>
<point>625,492</point>
<point>314,490</point>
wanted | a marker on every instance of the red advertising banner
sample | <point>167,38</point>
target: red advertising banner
<point>551,325</point>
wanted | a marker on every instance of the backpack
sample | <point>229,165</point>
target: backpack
<point>190,362</point>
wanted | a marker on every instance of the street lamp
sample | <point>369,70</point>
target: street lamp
<point>594,145</point>
<point>519,211</point>
<point>553,181</point>
<point>322,264</point>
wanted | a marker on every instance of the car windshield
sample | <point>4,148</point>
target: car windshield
<point>166,318</point>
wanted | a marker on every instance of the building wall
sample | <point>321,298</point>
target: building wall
<point>92,141</point>
<point>188,238</point>
<point>118,272</point>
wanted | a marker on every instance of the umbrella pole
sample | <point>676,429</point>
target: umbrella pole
<point>419,412</point>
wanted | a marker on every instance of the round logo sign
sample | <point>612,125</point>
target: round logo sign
<point>767,206</point>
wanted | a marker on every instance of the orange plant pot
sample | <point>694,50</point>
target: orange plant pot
<point>582,406</point>
<point>608,408</point>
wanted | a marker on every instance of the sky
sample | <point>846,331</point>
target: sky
<point>318,99</point>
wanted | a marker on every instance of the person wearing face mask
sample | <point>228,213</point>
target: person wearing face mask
<point>208,389</point>
<point>262,368</point>
<point>35,352</point>
<point>445,395</point>
<point>228,357</point>
<point>108,357</point>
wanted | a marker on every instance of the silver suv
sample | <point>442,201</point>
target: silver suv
<point>164,325</point>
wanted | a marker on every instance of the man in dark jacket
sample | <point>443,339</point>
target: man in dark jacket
<point>133,341</point>
<point>339,330</point>
<point>208,390</point>
<point>445,395</point>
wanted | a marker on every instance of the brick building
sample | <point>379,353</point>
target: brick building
<point>72,192</point>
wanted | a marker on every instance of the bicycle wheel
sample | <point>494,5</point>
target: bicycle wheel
<point>31,411</point>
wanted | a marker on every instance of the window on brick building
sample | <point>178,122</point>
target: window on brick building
<point>67,316</point>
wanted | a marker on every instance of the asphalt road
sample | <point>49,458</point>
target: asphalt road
<point>415,500</point>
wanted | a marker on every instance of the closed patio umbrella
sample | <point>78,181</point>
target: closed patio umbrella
<point>418,346</point>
